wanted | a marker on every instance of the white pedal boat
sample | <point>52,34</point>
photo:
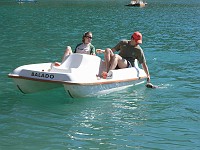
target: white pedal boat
<point>79,74</point>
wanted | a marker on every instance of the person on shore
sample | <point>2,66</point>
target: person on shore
<point>83,48</point>
<point>129,50</point>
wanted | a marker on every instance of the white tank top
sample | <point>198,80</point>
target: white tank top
<point>83,49</point>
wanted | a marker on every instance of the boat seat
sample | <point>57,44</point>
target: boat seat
<point>79,62</point>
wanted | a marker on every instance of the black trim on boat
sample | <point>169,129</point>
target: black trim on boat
<point>21,89</point>
<point>70,94</point>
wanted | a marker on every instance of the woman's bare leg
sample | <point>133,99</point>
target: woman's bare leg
<point>68,51</point>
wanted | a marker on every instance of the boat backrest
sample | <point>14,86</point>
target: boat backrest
<point>72,61</point>
<point>78,62</point>
<point>81,60</point>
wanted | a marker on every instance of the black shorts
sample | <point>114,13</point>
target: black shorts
<point>128,65</point>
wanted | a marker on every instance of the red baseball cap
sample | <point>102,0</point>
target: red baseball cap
<point>137,36</point>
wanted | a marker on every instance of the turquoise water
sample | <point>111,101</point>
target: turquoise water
<point>135,118</point>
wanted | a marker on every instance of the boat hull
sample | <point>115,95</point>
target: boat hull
<point>93,90</point>
<point>32,86</point>
<point>137,5</point>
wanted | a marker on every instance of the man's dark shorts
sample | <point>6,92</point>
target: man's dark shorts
<point>128,65</point>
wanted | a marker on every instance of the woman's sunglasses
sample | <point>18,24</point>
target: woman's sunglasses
<point>88,37</point>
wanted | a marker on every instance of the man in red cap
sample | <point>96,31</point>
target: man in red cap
<point>129,50</point>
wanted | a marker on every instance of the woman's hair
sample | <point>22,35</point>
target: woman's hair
<point>84,35</point>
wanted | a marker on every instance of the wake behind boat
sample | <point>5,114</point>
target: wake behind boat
<point>26,1</point>
<point>79,74</point>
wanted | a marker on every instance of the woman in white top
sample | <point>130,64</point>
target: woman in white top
<point>84,48</point>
